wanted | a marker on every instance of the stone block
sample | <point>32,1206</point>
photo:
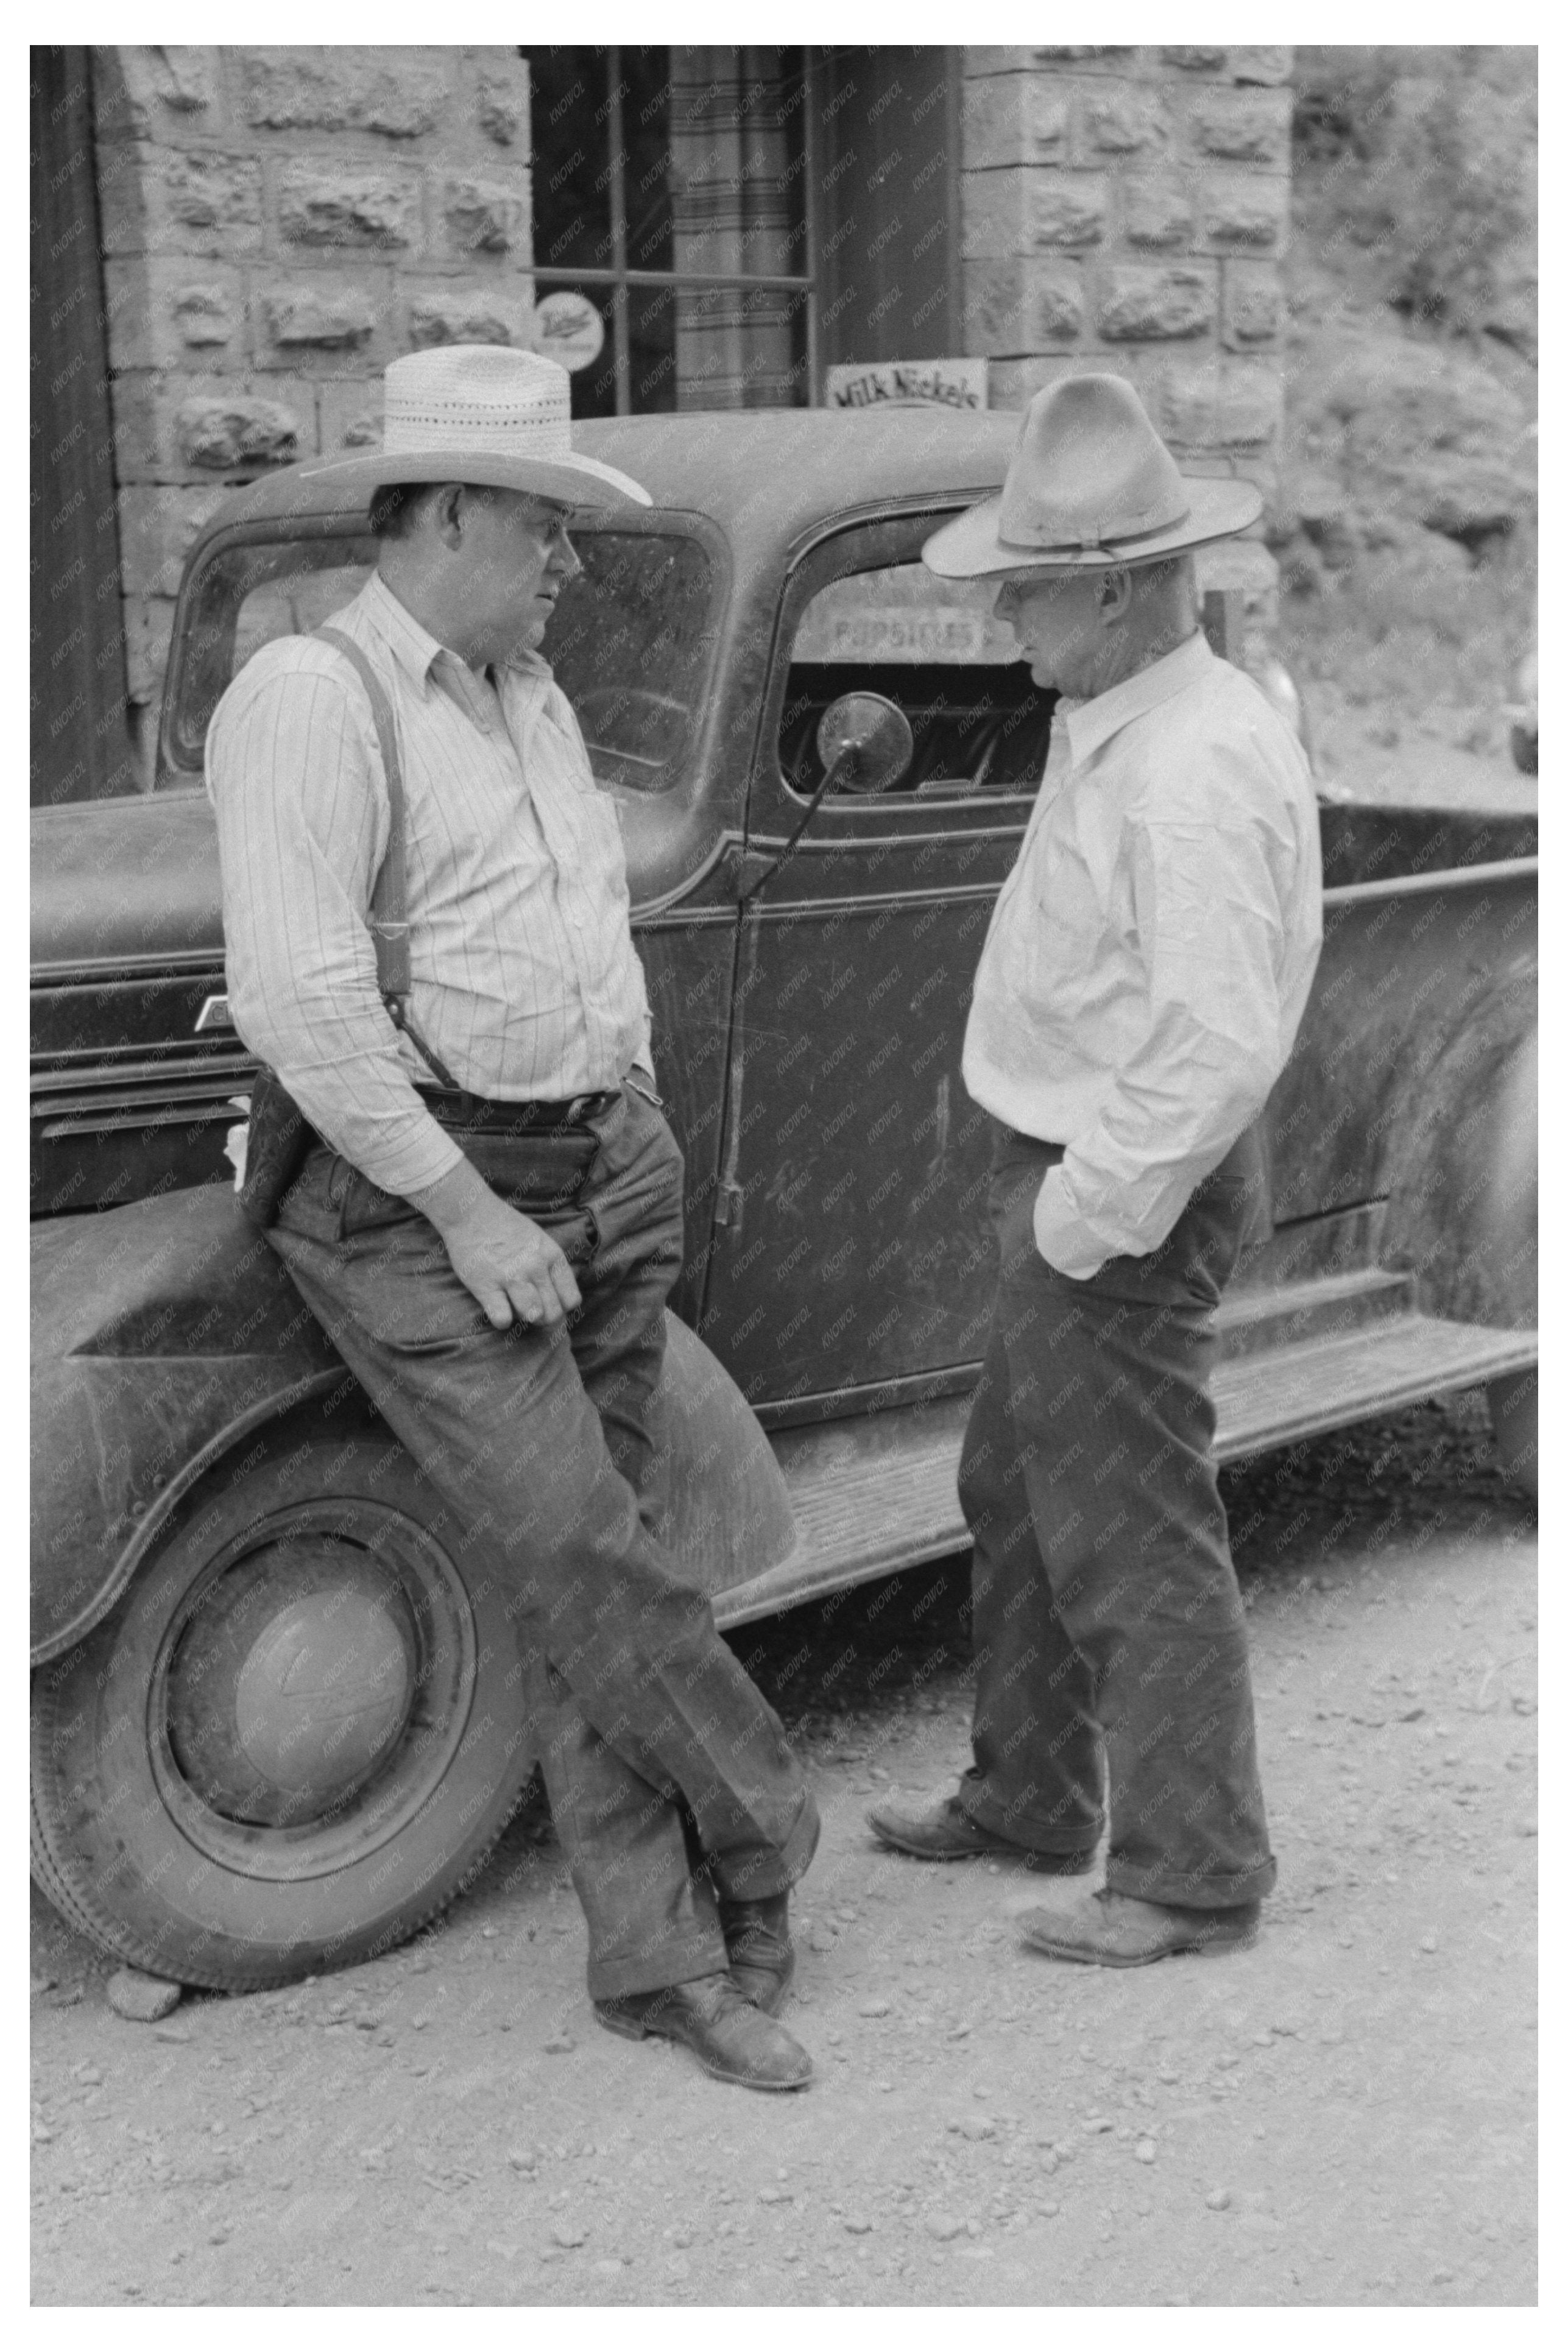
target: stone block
<point>1252,310</point>
<point>205,316</point>
<point>1242,213</point>
<point>1015,117</point>
<point>237,432</point>
<point>451,310</point>
<point>173,312</point>
<point>1157,214</point>
<point>1053,302</point>
<point>995,212</point>
<point>149,626</point>
<point>1140,302</point>
<point>1265,66</point>
<point>1013,384</point>
<point>153,200</point>
<point>1244,126</point>
<point>135,427</point>
<point>1066,209</point>
<point>177,426</point>
<point>501,110</point>
<point>151,93</point>
<point>351,416</point>
<point>159,525</point>
<point>1015,306</point>
<point>1220,404</point>
<point>1113,119</point>
<point>1081,53</point>
<point>1193,59</point>
<point>320,204</point>
<point>485,216</point>
<point>320,315</point>
<point>400,92</point>
<point>983,58</point>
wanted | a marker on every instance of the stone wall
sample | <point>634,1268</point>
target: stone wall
<point>1127,209</point>
<point>277,224</point>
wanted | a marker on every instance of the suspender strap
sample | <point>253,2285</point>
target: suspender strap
<point>389,897</point>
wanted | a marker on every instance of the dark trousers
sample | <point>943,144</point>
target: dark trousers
<point>669,1776</point>
<point>1108,1629</point>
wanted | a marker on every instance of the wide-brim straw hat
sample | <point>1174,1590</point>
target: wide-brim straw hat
<point>481,412</point>
<point>1089,484</point>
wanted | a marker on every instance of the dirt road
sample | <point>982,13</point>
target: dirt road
<point>1344,2114</point>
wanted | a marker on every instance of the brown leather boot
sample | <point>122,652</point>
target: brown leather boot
<point>728,2036</point>
<point>1108,1930</point>
<point>941,1831</point>
<point>761,1957</point>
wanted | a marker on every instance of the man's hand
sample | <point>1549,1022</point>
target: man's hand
<point>510,1264</point>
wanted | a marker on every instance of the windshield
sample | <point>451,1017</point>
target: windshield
<point>631,640</point>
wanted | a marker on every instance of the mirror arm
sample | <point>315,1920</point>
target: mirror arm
<point>830,776</point>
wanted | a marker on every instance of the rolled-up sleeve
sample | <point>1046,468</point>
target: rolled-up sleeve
<point>1208,915</point>
<point>301,825</point>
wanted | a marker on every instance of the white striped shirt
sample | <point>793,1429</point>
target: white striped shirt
<point>525,981</point>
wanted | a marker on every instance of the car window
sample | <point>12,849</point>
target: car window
<point>935,648</point>
<point>631,640</point>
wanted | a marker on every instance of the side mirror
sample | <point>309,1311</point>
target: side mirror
<point>866,742</point>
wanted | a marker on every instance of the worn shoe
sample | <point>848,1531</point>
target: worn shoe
<point>945,1833</point>
<point>1116,1931</point>
<point>761,1957</point>
<point>728,2036</point>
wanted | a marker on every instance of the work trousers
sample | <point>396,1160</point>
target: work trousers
<point>670,1777</point>
<point>1108,1631</point>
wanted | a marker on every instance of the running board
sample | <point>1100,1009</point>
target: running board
<point>880,1493</point>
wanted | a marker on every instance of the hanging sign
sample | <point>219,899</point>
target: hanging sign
<point>568,328</point>
<point>909,384</point>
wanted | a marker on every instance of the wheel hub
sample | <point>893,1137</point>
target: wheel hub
<point>292,1684</point>
<point>322,1693</point>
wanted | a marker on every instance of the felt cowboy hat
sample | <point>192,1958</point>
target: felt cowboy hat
<point>1089,484</point>
<point>481,412</point>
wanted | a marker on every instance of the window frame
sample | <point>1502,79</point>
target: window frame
<point>619,277</point>
<point>869,543</point>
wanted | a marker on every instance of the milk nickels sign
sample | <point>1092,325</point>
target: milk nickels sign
<point>909,384</point>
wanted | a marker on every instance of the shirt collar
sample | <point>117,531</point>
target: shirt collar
<point>1091,724</point>
<point>412,648</point>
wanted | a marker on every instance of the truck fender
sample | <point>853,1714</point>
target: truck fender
<point>1463,1200</point>
<point>167,1333</point>
<point>163,1332</point>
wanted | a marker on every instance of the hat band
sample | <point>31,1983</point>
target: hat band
<point>1100,539</point>
<point>503,433</point>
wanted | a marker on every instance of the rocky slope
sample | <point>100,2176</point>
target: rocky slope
<point>1405,520</point>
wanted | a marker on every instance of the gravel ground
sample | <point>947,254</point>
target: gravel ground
<point>1344,2113</point>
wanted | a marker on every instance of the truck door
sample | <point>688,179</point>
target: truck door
<point>852,1250</point>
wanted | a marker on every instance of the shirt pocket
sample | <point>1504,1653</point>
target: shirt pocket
<point>1064,924</point>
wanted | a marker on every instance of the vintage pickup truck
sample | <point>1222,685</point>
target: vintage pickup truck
<point>276,1719</point>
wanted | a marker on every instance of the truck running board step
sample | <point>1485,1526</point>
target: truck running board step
<point>872,1496</point>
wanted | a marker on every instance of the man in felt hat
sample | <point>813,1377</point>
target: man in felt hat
<point>519,1381</point>
<point>1141,986</point>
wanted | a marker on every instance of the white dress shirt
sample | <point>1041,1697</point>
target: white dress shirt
<point>1150,953</point>
<point>525,981</point>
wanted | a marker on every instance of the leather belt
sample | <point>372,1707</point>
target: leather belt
<point>455,1107</point>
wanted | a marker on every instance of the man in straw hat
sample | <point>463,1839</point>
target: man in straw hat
<point>517,1042</point>
<point>1140,988</point>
